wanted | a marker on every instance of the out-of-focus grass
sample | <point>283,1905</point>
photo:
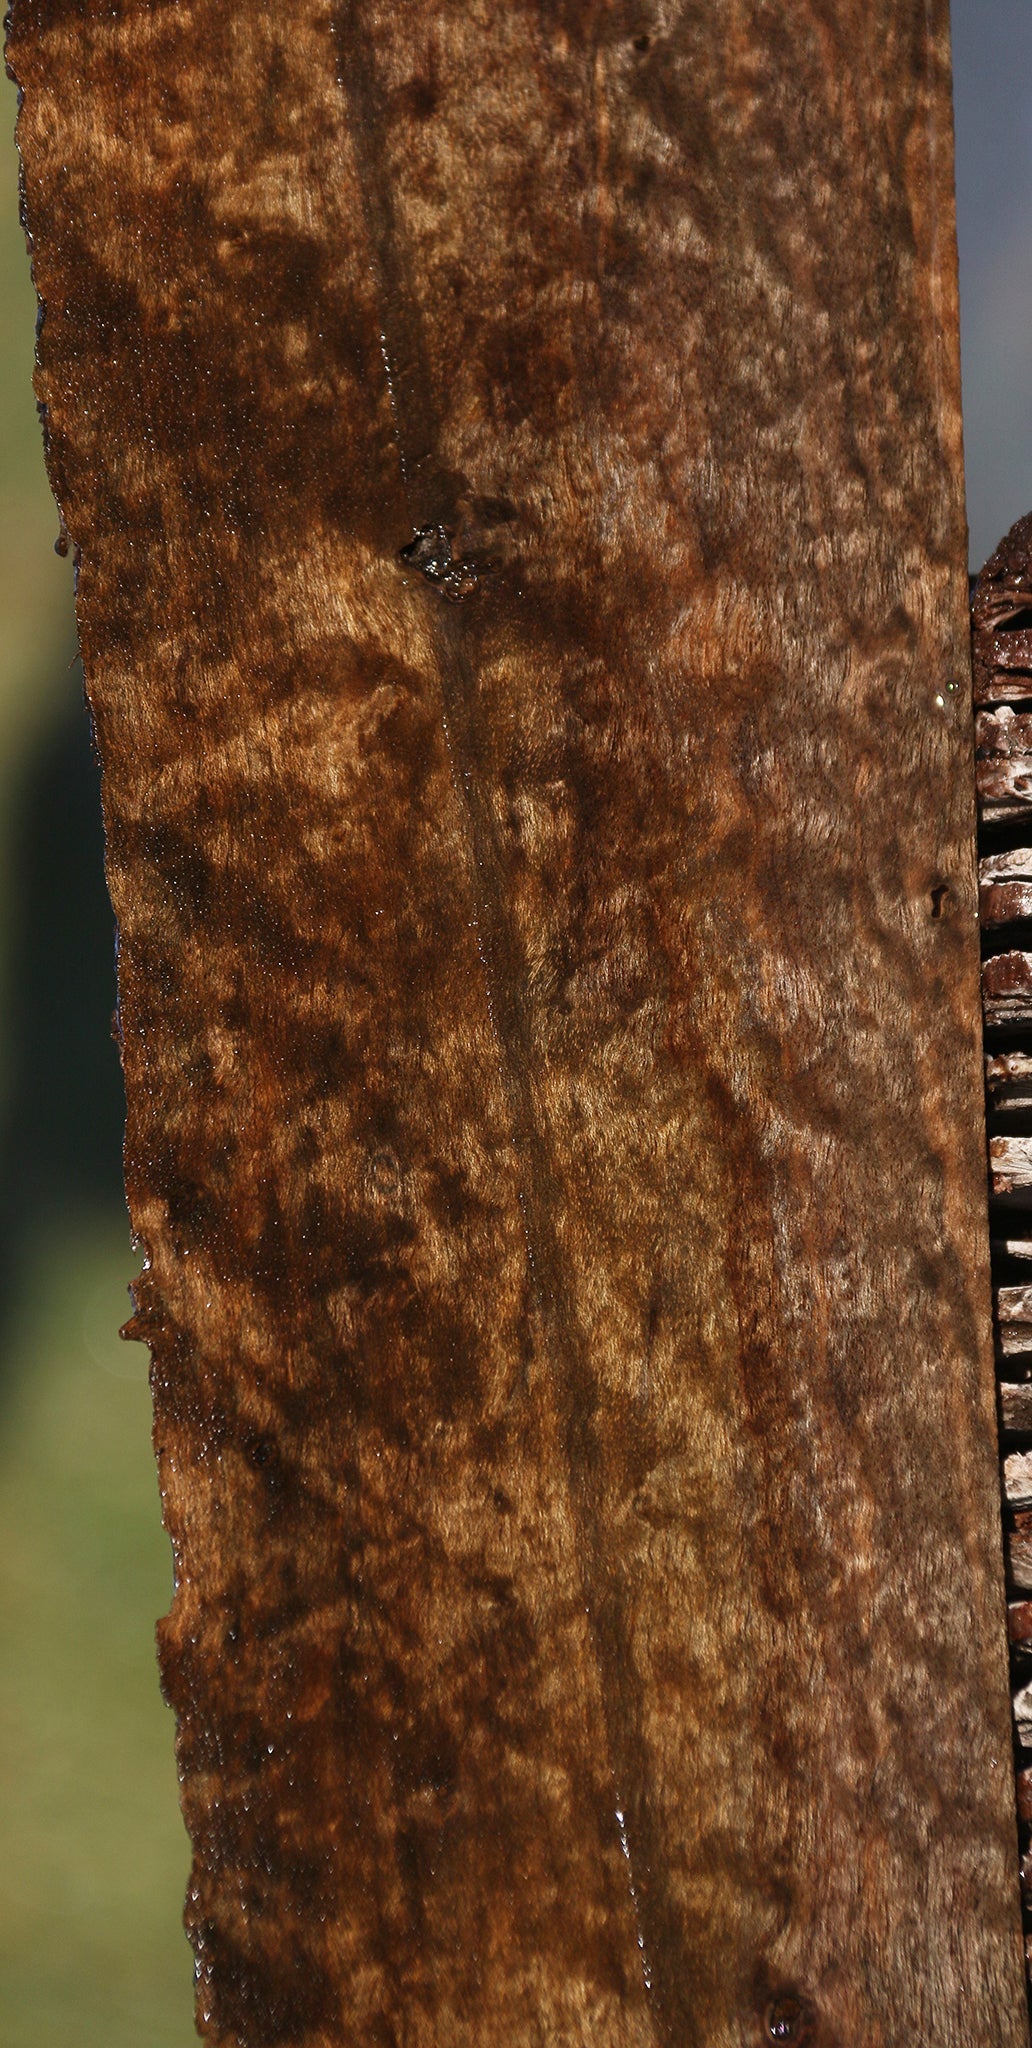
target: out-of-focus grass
<point>95,1856</point>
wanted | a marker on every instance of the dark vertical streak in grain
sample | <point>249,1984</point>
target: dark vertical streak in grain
<point>402,338</point>
<point>666,1968</point>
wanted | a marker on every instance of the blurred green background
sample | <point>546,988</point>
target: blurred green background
<point>94,1861</point>
<point>94,1856</point>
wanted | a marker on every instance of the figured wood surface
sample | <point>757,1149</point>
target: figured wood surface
<point>514,454</point>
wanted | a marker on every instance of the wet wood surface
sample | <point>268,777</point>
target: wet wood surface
<point>514,460</point>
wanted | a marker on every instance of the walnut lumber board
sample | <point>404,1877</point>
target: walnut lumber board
<point>516,472</point>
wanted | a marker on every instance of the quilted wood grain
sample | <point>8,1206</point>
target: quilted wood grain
<point>514,457</point>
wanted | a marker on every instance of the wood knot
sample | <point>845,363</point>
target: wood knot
<point>788,2020</point>
<point>457,577</point>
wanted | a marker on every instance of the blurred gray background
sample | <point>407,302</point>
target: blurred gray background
<point>94,1860</point>
<point>992,91</point>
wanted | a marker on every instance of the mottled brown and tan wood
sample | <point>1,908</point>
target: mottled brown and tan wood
<point>515,458</point>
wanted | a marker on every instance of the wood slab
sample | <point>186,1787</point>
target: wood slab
<point>513,455</point>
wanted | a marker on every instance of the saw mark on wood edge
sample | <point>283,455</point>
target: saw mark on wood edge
<point>1001,603</point>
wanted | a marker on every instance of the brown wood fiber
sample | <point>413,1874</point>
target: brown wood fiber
<point>514,454</point>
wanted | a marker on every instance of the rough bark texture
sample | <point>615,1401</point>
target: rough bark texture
<point>1001,650</point>
<point>514,454</point>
